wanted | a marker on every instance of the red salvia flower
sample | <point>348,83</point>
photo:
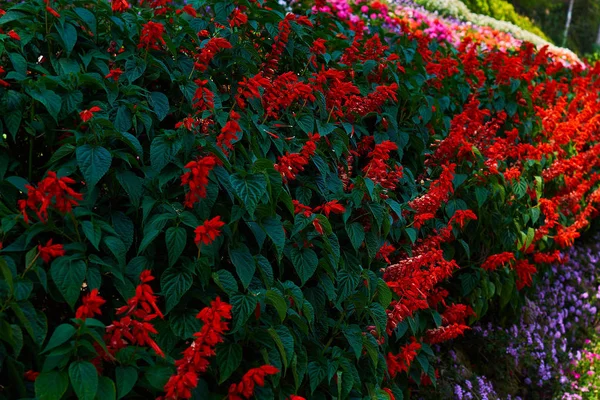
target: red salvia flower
<point>50,251</point>
<point>90,305</point>
<point>291,164</point>
<point>238,18</point>
<point>86,115</point>
<point>245,388</point>
<point>318,227</point>
<point>188,9</point>
<point>331,207</point>
<point>52,11</point>
<point>195,358</point>
<point>456,313</point>
<point>14,35</point>
<point>152,35</point>
<point>197,179</point>
<point>496,260</point>
<point>120,5</point>
<point>294,397</point>
<point>445,333</point>
<point>135,326</point>
<point>31,375</point>
<point>114,74</point>
<point>385,251</point>
<point>401,362</point>
<point>461,217</point>
<point>208,52</point>
<point>301,208</point>
<point>524,272</point>
<point>50,188</point>
<point>229,132</point>
<point>208,231</point>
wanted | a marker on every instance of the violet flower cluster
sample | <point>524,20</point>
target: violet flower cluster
<point>541,349</point>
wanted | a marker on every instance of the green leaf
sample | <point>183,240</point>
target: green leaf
<point>160,153</point>
<point>60,335</point>
<point>68,276</point>
<point>134,68</point>
<point>229,358</point>
<point>93,162</point>
<point>249,189</point>
<point>184,323</point>
<point>106,389</point>
<point>126,379</point>
<point>175,283</point>
<point>18,62</point>
<point>32,320</point>
<point>92,232</point>
<point>51,385</point>
<point>49,99</point>
<point>356,233</point>
<point>87,17</point>
<point>176,238</point>
<point>353,334</point>
<point>68,34</point>
<point>468,282</point>
<point>284,341</point>
<point>117,247</point>
<point>278,301</point>
<point>274,229</point>
<point>242,308</point>
<point>307,123</point>
<point>84,379</point>
<point>123,120</point>
<point>384,293</point>
<point>160,104</point>
<point>316,374</point>
<point>132,184</point>
<point>226,281</point>
<point>481,194</point>
<point>244,263</point>
<point>305,262</point>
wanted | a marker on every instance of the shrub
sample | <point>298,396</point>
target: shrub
<point>504,11</point>
<point>259,192</point>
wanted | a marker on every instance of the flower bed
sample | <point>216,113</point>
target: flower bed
<point>540,356</point>
<point>229,200</point>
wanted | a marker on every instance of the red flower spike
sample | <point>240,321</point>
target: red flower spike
<point>90,305</point>
<point>401,362</point>
<point>195,358</point>
<point>14,35</point>
<point>245,388</point>
<point>114,74</point>
<point>51,251</point>
<point>208,231</point>
<point>197,179</point>
<point>86,115</point>
<point>152,36</point>
<point>120,5</point>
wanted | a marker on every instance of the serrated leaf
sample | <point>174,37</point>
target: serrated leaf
<point>127,376</point>
<point>226,281</point>
<point>68,276</point>
<point>244,263</point>
<point>93,162</point>
<point>51,385</point>
<point>356,233</point>
<point>175,238</point>
<point>354,336</point>
<point>243,307</point>
<point>84,379</point>
<point>175,283</point>
<point>249,189</point>
<point>305,262</point>
<point>60,335</point>
<point>229,358</point>
<point>160,104</point>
